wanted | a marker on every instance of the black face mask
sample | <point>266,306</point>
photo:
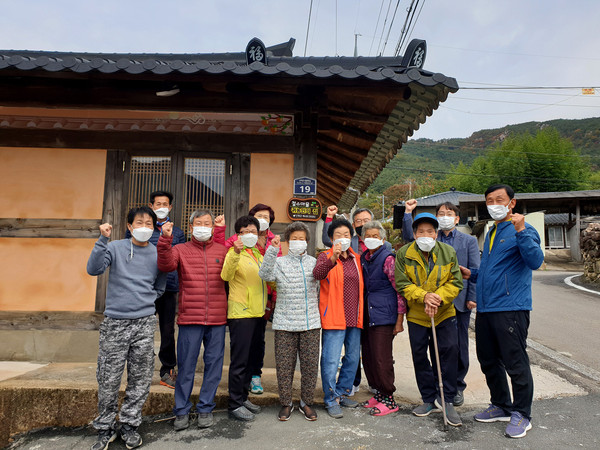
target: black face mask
<point>359,230</point>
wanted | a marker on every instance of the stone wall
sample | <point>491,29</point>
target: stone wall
<point>590,251</point>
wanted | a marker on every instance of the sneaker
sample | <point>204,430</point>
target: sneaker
<point>347,402</point>
<point>335,411</point>
<point>130,436</point>
<point>255,386</point>
<point>254,409</point>
<point>518,426</point>
<point>168,379</point>
<point>242,414</point>
<point>205,420</point>
<point>459,398</point>
<point>105,437</point>
<point>451,415</point>
<point>285,412</point>
<point>181,422</point>
<point>492,414</point>
<point>354,390</point>
<point>309,413</point>
<point>425,409</point>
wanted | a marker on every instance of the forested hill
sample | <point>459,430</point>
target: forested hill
<point>425,160</point>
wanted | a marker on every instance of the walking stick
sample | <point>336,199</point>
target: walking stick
<point>439,371</point>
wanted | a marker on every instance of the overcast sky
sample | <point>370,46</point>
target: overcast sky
<point>534,43</point>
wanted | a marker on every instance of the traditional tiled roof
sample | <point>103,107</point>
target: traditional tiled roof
<point>442,197</point>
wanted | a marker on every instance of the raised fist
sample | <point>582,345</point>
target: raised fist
<point>276,241</point>
<point>337,251</point>
<point>220,221</point>
<point>518,221</point>
<point>410,205</point>
<point>238,245</point>
<point>105,229</point>
<point>332,211</point>
<point>167,229</point>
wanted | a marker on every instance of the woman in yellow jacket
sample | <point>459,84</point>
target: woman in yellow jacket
<point>245,309</point>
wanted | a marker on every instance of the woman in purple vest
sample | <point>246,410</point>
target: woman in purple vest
<point>383,318</point>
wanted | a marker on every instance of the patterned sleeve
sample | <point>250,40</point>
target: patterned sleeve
<point>322,267</point>
<point>389,266</point>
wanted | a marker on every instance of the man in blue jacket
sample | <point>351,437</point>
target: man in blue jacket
<point>161,203</point>
<point>511,252</point>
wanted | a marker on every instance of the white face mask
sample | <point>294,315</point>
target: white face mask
<point>373,243</point>
<point>249,239</point>
<point>498,212</point>
<point>202,234</point>
<point>296,248</point>
<point>141,234</point>
<point>264,224</point>
<point>425,243</point>
<point>345,243</point>
<point>446,222</point>
<point>161,213</point>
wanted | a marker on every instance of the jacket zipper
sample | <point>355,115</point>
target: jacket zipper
<point>305,292</point>
<point>206,284</point>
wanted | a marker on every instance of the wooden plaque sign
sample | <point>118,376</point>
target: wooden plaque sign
<point>304,209</point>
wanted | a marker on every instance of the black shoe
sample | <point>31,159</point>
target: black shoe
<point>254,409</point>
<point>459,398</point>
<point>105,437</point>
<point>130,436</point>
<point>242,414</point>
<point>181,422</point>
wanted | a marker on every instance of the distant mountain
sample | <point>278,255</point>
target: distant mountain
<point>420,157</point>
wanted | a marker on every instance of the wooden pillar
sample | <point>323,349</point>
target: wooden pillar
<point>305,164</point>
<point>239,189</point>
<point>116,183</point>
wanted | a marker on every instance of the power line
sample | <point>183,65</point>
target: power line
<point>525,103</point>
<point>390,27</point>
<point>376,26</point>
<point>308,26</point>
<point>383,28</point>
<point>492,87</point>
<point>415,24</point>
<point>515,54</point>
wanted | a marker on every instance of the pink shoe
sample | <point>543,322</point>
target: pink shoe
<point>370,403</point>
<point>381,409</point>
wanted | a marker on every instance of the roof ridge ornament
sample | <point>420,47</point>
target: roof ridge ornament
<point>415,54</point>
<point>256,52</point>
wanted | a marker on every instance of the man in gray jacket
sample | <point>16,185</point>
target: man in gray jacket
<point>127,332</point>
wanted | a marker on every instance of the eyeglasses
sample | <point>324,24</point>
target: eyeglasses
<point>361,221</point>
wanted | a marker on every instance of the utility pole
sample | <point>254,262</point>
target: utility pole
<point>356,35</point>
<point>382,207</point>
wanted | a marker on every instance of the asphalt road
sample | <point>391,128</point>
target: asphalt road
<point>558,423</point>
<point>566,319</point>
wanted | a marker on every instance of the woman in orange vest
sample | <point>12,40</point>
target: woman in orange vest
<point>340,306</point>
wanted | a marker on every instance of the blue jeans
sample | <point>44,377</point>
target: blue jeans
<point>331,350</point>
<point>190,338</point>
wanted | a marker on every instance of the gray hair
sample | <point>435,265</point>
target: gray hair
<point>296,226</point>
<point>200,213</point>
<point>374,225</point>
<point>360,210</point>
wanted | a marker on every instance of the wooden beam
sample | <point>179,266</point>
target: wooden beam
<point>53,320</point>
<point>357,116</point>
<point>335,170</point>
<point>50,228</point>
<point>146,140</point>
<point>345,163</point>
<point>348,151</point>
<point>332,193</point>
<point>322,174</point>
<point>354,132</point>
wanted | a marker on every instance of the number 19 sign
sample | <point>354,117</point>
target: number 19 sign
<point>305,186</point>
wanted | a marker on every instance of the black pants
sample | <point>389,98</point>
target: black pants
<point>421,339</point>
<point>242,332</point>
<point>501,339</point>
<point>257,351</point>
<point>462,323</point>
<point>165,308</point>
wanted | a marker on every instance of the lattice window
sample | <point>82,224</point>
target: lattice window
<point>148,174</point>
<point>203,187</point>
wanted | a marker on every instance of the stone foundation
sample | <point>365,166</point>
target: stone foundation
<point>590,251</point>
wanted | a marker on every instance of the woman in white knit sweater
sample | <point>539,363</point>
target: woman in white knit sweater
<point>296,320</point>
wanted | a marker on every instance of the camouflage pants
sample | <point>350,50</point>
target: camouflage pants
<point>123,341</point>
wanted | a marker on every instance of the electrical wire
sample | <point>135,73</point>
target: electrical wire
<point>308,26</point>
<point>515,54</point>
<point>383,28</point>
<point>413,28</point>
<point>376,26</point>
<point>390,27</point>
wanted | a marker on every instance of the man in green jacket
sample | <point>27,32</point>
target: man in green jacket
<point>428,275</point>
